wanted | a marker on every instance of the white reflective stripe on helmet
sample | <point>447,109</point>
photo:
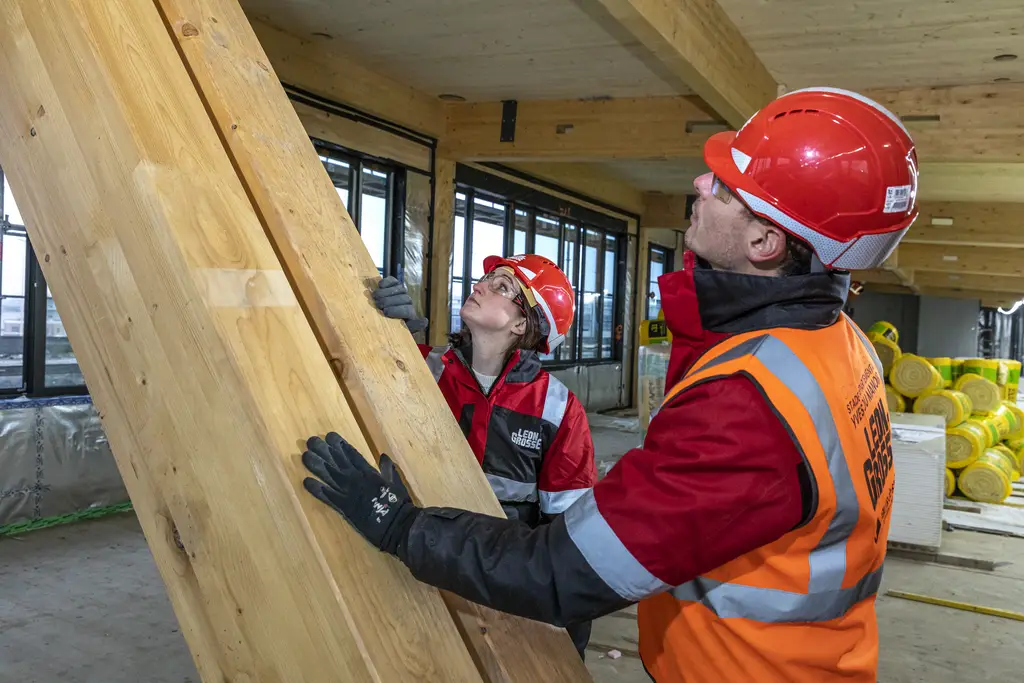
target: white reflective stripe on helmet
<point>554,338</point>
<point>860,253</point>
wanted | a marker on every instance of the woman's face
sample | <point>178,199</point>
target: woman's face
<point>492,307</point>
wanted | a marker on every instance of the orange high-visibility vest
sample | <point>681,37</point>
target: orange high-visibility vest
<point>802,608</point>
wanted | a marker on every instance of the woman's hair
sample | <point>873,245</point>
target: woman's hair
<point>528,341</point>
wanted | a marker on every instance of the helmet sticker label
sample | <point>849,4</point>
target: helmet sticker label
<point>897,198</point>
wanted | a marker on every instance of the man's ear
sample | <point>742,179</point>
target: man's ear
<point>766,244</point>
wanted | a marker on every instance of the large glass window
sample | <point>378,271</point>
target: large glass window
<point>35,353</point>
<point>589,253</point>
<point>659,262</point>
<point>367,189</point>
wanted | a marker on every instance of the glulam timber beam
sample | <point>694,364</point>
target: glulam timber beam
<point>215,292</point>
<point>980,224</point>
<point>694,43</point>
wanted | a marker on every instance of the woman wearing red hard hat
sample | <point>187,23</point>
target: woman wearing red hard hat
<point>751,525</point>
<point>528,431</point>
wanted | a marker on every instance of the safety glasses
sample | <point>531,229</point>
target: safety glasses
<point>720,191</point>
<point>503,284</point>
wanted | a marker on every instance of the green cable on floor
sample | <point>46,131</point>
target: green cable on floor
<point>19,528</point>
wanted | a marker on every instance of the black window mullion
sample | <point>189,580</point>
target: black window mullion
<point>355,198</point>
<point>467,246</point>
<point>35,327</point>
<point>394,230</point>
<point>531,233</point>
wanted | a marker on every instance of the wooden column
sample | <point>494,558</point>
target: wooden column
<point>441,251</point>
<point>203,266</point>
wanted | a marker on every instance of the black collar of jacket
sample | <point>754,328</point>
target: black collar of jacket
<point>734,303</point>
<point>522,367</point>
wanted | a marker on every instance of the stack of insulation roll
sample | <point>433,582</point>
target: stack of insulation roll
<point>977,397</point>
<point>884,337</point>
<point>985,452</point>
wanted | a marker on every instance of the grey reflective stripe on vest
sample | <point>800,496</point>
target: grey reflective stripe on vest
<point>869,346</point>
<point>828,560</point>
<point>557,502</point>
<point>555,402</point>
<point>766,605</point>
<point>606,554</point>
<point>435,361</point>
<point>512,491</point>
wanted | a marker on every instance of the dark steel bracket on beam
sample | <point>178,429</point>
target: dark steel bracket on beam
<point>509,110</point>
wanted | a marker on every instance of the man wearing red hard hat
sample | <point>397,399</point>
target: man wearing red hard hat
<point>751,525</point>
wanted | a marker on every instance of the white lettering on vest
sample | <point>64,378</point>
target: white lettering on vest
<point>524,438</point>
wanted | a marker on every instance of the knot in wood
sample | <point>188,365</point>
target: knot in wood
<point>189,30</point>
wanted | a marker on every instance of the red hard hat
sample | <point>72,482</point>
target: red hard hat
<point>549,289</point>
<point>829,166</point>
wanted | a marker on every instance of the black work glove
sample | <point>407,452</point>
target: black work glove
<point>393,300</point>
<point>376,503</point>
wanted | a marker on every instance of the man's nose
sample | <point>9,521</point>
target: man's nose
<point>702,184</point>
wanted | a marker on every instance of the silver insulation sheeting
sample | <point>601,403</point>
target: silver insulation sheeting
<point>417,243</point>
<point>54,460</point>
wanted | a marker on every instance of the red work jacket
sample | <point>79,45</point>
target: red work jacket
<point>529,433</point>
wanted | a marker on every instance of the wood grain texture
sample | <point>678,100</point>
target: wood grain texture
<point>441,251</point>
<point>319,66</point>
<point>362,137</point>
<point>389,387</point>
<point>198,356</point>
<point>698,43</point>
<point>574,130</point>
<point>979,224</point>
<point>479,49</point>
<point>862,44</point>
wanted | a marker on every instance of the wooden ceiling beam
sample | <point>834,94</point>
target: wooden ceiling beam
<point>581,130</point>
<point>963,122</point>
<point>979,224</point>
<point>979,133</point>
<point>695,43</point>
<point>665,211</point>
<point>1008,284</point>
<point>971,182</point>
<point>321,68</point>
<point>987,261</point>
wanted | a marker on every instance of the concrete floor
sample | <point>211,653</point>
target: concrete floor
<point>84,604</point>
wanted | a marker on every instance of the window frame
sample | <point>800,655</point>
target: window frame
<point>474,183</point>
<point>33,368</point>
<point>668,264</point>
<point>394,211</point>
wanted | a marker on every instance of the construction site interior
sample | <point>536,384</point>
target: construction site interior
<point>451,131</point>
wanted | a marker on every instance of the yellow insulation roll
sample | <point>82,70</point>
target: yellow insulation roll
<point>1002,448</point>
<point>997,423</point>
<point>897,404</point>
<point>885,329</point>
<point>985,367</point>
<point>985,394</point>
<point>1012,380</point>
<point>1018,458</point>
<point>954,406</point>
<point>989,478</point>
<point>950,482</point>
<point>945,368</point>
<point>1018,413</point>
<point>913,376</point>
<point>965,442</point>
<point>1012,418</point>
<point>887,350</point>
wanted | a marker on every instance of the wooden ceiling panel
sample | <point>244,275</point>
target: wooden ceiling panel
<point>978,224</point>
<point>675,176</point>
<point>863,44</point>
<point>478,49</point>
